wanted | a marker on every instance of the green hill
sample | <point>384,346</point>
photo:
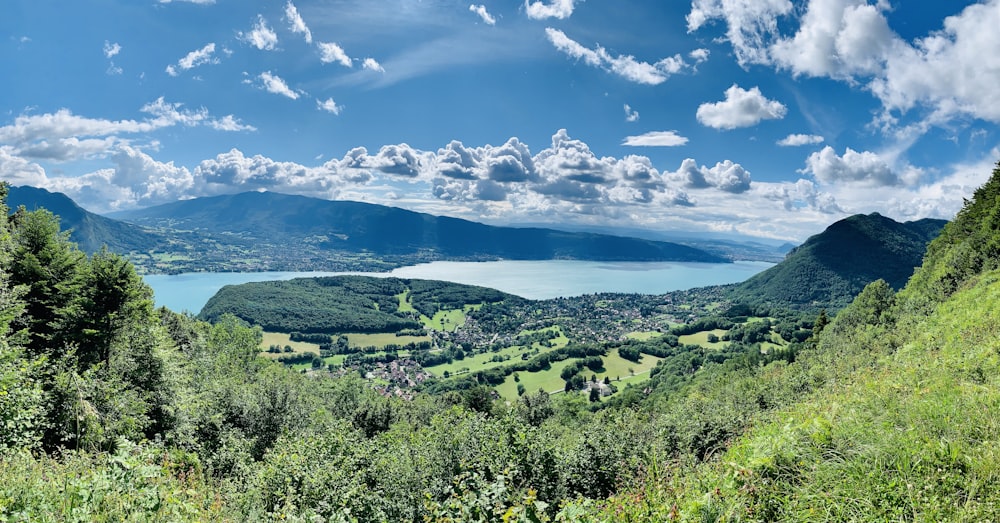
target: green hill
<point>832,267</point>
<point>340,304</point>
<point>290,221</point>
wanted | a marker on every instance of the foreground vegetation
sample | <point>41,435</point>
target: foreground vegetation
<point>122,412</point>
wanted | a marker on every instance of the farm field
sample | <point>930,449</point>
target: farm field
<point>701,338</point>
<point>283,339</point>
<point>615,368</point>
<point>477,362</point>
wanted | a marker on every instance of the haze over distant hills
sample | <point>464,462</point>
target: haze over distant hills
<point>832,267</point>
<point>271,231</point>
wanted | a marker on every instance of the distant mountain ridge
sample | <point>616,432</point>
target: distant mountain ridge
<point>272,231</point>
<point>363,227</point>
<point>832,267</point>
<point>88,230</point>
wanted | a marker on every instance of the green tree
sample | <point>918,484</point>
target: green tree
<point>49,267</point>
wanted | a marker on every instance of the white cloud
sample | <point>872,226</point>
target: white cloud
<point>274,84</point>
<point>63,136</point>
<point>725,176</point>
<point>631,115</point>
<point>864,167</point>
<point>795,140</point>
<point>539,10</point>
<point>483,14</point>
<point>656,139</point>
<point>699,55</point>
<point>230,123</point>
<point>741,108</point>
<point>261,36</point>
<point>749,23</point>
<point>205,55</point>
<point>948,70</point>
<point>329,106</point>
<point>837,38</point>
<point>331,52</point>
<point>296,23</point>
<point>19,171</point>
<point>111,49</point>
<point>625,66</point>
<point>370,64</point>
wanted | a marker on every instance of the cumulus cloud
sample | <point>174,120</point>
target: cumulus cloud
<point>296,23</point>
<point>329,106</point>
<point>948,70</point>
<point>556,9</point>
<point>853,167</point>
<point>626,66</point>
<point>276,85</point>
<point>656,139</point>
<point>330,52</point>
<point>837,38</point>
<point>370,64</point>
<point>725,176</point>
<point>631,115</point>
<point>205,55</point>
<point>510,162</point>
<point>260,36</point>
<point>795,140</point>
<point>19,171</point>
<point>485,15</point>
<point>741,108</point>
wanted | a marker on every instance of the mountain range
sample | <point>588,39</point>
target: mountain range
<point>258,231</point>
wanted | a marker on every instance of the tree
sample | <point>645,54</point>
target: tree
<point>111,298</point>
<point>595,394</point>
<point>49,267</point>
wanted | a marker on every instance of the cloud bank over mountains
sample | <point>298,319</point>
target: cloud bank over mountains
<point>506,182</point>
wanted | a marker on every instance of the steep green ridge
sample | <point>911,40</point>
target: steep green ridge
<point>88,230</point>
<point>362,227</point>
<point>339,304</point>
<point>832,267</point>
<point>891,417</point>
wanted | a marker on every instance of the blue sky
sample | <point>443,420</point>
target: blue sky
<point>769,118</point>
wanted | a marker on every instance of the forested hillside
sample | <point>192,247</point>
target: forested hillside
<point>122,412</point>
<point>89,231</point>
<point>832,267</point>
<point>338,304</point>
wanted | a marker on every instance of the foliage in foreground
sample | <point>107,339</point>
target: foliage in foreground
<point>889,414</point>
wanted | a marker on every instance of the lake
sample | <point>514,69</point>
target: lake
<point>530,279</point>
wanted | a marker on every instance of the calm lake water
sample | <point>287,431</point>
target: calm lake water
<point>530,279</point>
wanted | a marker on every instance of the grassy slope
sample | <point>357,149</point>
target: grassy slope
<point>903,419</point>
